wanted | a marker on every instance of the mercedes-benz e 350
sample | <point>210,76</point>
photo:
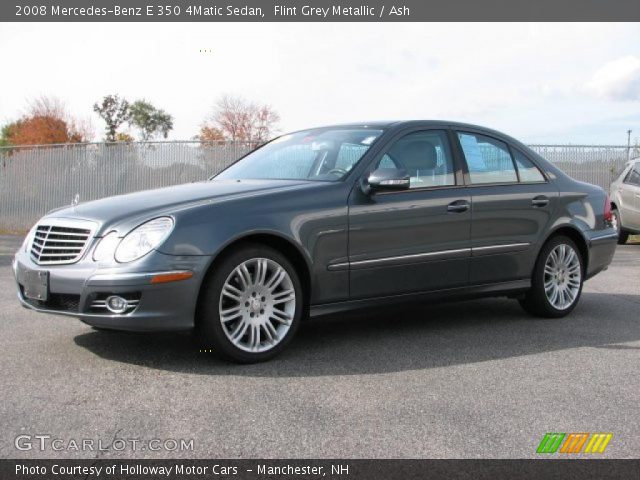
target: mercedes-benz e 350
<point>319,221</point>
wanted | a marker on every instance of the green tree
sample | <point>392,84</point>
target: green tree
<point>114,111</point>
<point>124,138</point>
<point>5,134</point>
<point>149,120</point>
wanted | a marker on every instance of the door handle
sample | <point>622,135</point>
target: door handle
<point>540,201</point>
<point>458,206</point>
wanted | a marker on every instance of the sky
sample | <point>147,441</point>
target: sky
<point>553,83</point>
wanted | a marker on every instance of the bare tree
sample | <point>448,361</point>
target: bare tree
<point>241,120</point>
<point>47,106</point>
<point>79,129</point>
<point>46,121</point>
<point>265,123</point>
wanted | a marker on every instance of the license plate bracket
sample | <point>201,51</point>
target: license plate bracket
<point>36,284</point>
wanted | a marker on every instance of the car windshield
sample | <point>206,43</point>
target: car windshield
<point>319,154</point>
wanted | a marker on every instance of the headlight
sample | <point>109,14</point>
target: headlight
<point>106,247</point>
<point>29,238</point>
<point>143,239</point>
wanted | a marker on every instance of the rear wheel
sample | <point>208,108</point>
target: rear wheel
<point>617,224</point>
<point>250,306</point>
<point>557,279</point>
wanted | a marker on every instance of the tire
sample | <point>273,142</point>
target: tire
<point>240,315</point>
<point>622,236</point>
<point>567,278</point>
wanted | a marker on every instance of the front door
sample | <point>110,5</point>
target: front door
<point>413,240</point>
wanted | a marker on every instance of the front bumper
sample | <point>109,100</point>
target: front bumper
<point>76,289</point>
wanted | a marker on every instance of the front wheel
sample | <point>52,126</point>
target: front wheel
<point>557,280</point>
<point>250,306</point>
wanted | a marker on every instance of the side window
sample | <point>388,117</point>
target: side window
<point>634,176</point>
<point>623,173</point>
<point>386,162</point>
<point>488,159</point>
<point>425,156</point>
<point>527,170</point>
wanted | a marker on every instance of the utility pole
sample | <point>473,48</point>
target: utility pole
<point>628,145</point>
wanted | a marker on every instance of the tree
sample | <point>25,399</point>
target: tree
<point>38,130</point>
<point>124,138</point>
<point>114,111</point>
<point>46,122</point>
<point>210,134</point>
<point>5,134</point>
<point>241,120</point>
<point>150,120</point>
<point>265,123</point>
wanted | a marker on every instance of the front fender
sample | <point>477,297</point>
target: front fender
<point>313,220</point>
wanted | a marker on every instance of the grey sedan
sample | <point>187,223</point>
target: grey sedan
<point>319,221</point>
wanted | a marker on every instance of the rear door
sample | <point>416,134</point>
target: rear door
<point>512,205</point>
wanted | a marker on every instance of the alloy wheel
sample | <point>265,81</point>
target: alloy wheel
<point>257,305</point>
<point>562,276</point>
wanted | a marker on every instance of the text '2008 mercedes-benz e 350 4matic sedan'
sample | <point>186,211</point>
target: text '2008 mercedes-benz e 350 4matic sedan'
<point>324,220</point>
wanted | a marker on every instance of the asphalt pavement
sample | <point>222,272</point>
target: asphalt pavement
<point>474,379</point>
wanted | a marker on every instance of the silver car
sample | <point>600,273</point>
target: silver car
<point>625,201</point>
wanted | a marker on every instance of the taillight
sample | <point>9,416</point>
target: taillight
<point>608,216</point>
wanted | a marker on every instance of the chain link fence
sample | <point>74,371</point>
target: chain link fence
<point>594,164</point>
<point>34,180</point>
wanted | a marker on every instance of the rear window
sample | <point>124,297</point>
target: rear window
<point>488,159</point>
<point>528,172</point>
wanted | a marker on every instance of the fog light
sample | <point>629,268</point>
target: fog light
<point>117,304</point>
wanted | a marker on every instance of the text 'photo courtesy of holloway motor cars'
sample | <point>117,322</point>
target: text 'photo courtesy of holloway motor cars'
<point>319,221</point>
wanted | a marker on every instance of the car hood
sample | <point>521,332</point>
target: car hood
<point>113,210</point>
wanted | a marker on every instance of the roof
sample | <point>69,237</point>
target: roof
<point>386,124</point>
<point>400,123</point>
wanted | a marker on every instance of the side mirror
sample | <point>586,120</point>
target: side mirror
<point>387,179</point>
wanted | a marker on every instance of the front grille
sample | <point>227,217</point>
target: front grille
<point>64,302</point>
<point>59,243</point>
